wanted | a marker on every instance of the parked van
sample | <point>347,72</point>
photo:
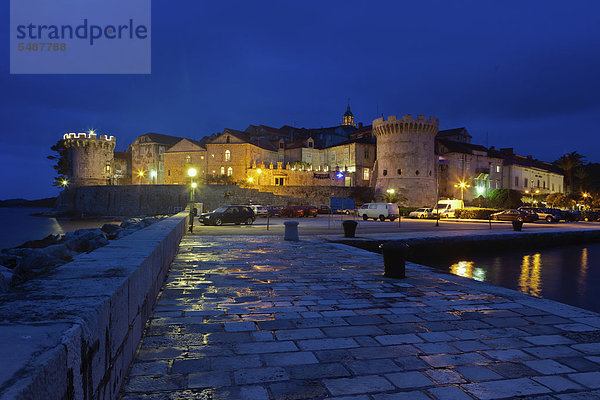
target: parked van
<point>379,211</point>
<point>447,208</point>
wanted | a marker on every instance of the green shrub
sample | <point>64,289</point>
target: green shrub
<point>475,213</point>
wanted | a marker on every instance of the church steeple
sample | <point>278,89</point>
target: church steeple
<point>348,118</point>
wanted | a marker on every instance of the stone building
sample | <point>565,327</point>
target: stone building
<point>147,157</point>
<point>408,154</point>
<point>406,158</point>
<point>527,174</point>
<point>462,161</point>
<point>90,158</point>
<point>185,154</point>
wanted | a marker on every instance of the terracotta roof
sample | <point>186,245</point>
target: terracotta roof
<point>457,147</point>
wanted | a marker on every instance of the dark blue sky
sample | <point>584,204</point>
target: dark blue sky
<point>527,74</point>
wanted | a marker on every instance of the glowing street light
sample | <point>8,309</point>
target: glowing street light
<point>141,175</point>
<point>192,173</point>
<point>462,186</point>
<point>64,183</point>
<point>391,191</point>
<point>532,192</point>
<point>585,197</point>
<point>250,179</point>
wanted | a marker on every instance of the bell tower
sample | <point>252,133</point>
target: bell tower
<point>348,119</point>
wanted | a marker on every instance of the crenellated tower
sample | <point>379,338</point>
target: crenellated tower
<point>91,158</point>
<point>406,157</point>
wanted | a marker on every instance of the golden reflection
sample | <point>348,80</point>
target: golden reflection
<point>462,268</point>
<point>581,279</point>
<point>529,280</point>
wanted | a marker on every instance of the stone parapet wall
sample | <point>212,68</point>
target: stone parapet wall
<point>73,334</point>
<point>133,200</point>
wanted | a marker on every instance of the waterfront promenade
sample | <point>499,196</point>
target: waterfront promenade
<point>243,317</point>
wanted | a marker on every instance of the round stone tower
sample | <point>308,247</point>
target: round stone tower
<point>90,157</point>
<point>406,157</point>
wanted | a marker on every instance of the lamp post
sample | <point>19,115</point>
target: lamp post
<point>462,186</point>
<point>585,197</point>
<point>64,183</point>
<point>141,175</point>
<point>531,192</point>
<point>192,174</point>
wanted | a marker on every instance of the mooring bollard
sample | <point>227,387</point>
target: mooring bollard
<point>291,231</point>
<point>349,228</point>
<point>394,259</point>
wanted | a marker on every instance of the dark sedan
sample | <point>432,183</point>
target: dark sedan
<point>228,214</point>
<point>514,215</point>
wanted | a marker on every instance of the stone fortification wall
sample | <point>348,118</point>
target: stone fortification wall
<point>134,200</point>
<point>406,157</point>
<point>74,333</point>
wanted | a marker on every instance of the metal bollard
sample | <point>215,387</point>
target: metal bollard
<point>291,231</point>
<point>349,228</point>
<point>394,259</point>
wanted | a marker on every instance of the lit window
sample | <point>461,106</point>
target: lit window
<point>222,170</point>
<point>202,157</point>
<point>497,168</point>
<point>366,174</point>
<point>229,171</point>
<point>227,155</point>
<point>188,159</point>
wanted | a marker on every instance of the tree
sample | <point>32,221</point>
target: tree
<point>505,198</point>
<point>393,196</point>
<point>63,164</point>
<point>557,200</point>
<point>569,163</point>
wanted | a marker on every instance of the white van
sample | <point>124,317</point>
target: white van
<point>447,208</point>
<point>381,211</point>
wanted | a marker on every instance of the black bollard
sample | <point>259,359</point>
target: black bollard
<point>517,226</point>
<point>394,259</point>
<point>349,228</point>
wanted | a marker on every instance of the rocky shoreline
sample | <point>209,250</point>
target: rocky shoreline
<point>38,257</point>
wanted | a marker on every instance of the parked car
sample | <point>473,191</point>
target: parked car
<point>515,215</point>
<point>324,210</point>
<point>421,213</point>
<point>545,214</point>
<point>381,211</point>
<point>274,211</point>
<point>589,215</point>
<point>311,211</point>
<point>259,211</point>
<point>293,211</point>
<point>228,214</point>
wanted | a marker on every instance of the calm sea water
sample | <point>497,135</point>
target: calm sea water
<point>18,226</point>
<point>569,274</point>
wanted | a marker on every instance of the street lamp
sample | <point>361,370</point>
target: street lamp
<point>462,186</point>
<point>64,183</point>
<point>585,197</point>
<point>141,175</point>
<point>192,173</point>
<point>536,192</point>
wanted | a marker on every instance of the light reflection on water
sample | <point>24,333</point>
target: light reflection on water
<point>570,274</point>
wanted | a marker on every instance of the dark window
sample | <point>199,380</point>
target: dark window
<point>429,173</point>
<point>281,145</point>
<point>227,140</point>
<point>399,171</point>
<point>169,172</point>
<point>384,172</point>
<point>310,144</point>
<point>417,172</point>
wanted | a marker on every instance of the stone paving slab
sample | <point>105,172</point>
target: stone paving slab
<point>260,318</point>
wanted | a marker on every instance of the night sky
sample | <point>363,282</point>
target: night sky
<point>523,74</point>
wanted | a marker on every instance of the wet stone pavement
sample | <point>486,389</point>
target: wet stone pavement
<point>260,318</point>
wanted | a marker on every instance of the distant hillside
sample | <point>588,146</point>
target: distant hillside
<point>49,202</point>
